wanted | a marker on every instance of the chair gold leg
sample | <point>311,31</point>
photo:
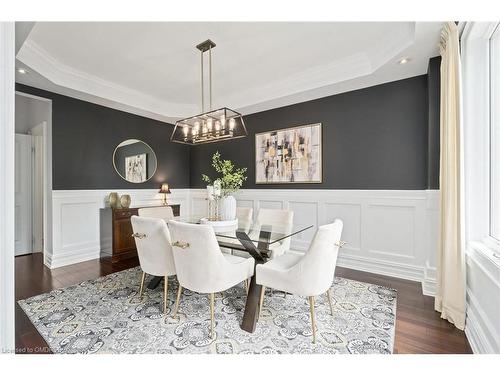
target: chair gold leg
<point>142,283</point>
<point>212,315</point>
<point>329,301</point>
<point>261,302</point>
<point>313,320</point>
<point>165,290</point>
<point>177,301</point>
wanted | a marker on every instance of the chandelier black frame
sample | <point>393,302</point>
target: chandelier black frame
<point>213,125</point>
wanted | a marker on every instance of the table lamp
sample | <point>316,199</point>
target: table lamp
<point>164,189</point>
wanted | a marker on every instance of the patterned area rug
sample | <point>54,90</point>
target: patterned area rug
<point>108,316</point>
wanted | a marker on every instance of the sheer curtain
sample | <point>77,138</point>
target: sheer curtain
<point>450,293</point>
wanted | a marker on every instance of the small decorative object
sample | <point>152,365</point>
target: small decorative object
<point>213,202</point>
<point>290,155</point>
<point>230,181</point>
<point>164,189</point>
<point>136,168</point>
<point>114,200</point>
<point>125,201</point>
<point>227,208</point>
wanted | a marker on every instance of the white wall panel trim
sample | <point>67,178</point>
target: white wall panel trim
<point>387,231</point>
<point>76,227</point>
<point>479,329</point>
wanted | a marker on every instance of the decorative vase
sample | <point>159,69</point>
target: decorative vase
<point>114,200</point>
<point>227,208</point>
<point>125,201</point>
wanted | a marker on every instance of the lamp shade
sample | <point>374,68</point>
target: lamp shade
<point>164,189</point>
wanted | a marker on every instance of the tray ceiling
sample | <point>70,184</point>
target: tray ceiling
<point>153,69</point>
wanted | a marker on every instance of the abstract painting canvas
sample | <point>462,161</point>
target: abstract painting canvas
<point>136,168</point>
<point>291,155</point>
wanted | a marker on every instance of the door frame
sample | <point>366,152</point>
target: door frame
<point>47,178</point>
<point>23,193</point>
<point>7,157</point>
<point>37,242</point>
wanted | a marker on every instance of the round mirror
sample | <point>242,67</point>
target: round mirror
<point>135,161</point>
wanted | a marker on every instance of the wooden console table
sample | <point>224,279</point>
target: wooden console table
<point>117,242</point>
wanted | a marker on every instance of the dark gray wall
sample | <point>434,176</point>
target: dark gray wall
<point>433,136</point>
<point>381,137</point>
<point>84,136</point>
<point>374,138</point>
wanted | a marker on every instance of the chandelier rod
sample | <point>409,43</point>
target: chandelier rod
<point>210,74</point>
<point>202,86</point>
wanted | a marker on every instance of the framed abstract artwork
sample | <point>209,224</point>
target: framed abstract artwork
<point>136,168</point>
<point>287,156</point>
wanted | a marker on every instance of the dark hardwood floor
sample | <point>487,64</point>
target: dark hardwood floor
<point>419,329</point>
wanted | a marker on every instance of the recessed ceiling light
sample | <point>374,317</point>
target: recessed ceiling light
<point>404,60</point>
<point>22,71</point>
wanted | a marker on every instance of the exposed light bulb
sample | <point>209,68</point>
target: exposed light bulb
<point>185,129</point>
<point>231,123</point>
<point>209,124</point>
<point>217,125</point>
<point>223,121</point>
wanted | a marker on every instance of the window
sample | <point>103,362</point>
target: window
<point>494,163</point>
<point>480,57</point>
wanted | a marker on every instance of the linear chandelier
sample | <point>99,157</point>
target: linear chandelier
<point>212,125</point>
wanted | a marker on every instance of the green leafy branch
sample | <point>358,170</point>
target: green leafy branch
<point>231,178</point>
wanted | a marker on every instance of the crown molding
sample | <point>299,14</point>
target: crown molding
<point>38,59</point>
<point>351,73</point>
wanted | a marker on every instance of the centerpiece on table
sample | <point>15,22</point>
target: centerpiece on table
<point>221,189</point>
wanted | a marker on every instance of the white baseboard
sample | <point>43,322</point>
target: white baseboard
<point>66,259</point>
<point>429,281</point>
<point>381,267</point>
<point>479,329</point>
<point>429,287</point>
<point>482,325</point>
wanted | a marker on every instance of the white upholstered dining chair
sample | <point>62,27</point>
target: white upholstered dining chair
<point>308,275</point>
<point>164,212</point>
<point>201,266</point>
<point>152,239</point>
<point>282,219</point>
<point>244,216</point>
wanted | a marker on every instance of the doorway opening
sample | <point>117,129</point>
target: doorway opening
<point>33,177</point>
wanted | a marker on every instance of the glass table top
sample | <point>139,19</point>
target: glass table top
<point>268,233</point>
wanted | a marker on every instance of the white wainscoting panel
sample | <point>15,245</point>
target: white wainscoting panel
<point>76,228</point>
<point>482,325</point>
<point>385,243</point>
<point>389,232</point>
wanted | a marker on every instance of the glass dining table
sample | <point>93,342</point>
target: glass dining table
<point>259,241</point>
